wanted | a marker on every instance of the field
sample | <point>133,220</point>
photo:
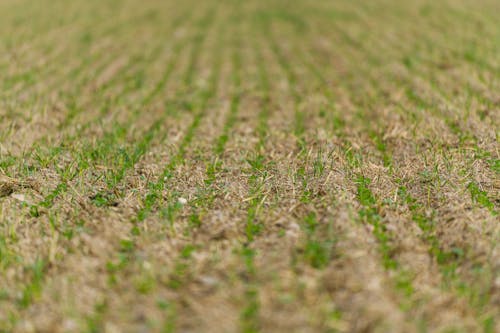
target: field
<point>249,166</point>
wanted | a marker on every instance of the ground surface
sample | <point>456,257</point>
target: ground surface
<point>224,166</point>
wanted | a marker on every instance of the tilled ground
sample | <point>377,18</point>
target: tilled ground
<point>225,166</point>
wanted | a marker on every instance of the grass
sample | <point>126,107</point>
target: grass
<point>249,166</point>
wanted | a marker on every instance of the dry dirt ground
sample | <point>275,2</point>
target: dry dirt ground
<point>249,166</point>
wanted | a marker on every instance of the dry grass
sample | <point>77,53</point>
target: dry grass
<point>225,166</point>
